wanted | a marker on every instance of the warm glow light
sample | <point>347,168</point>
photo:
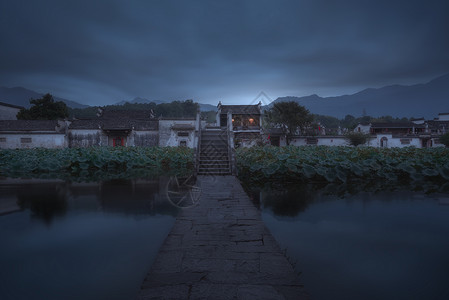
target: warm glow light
<point>251,120</point>
<point>232,120</point>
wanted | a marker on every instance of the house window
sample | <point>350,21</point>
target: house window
<point>2,140</point>
<point>25,140</point>
<point>311,141</point>
<point>405,141</point>
<point>183,133</point>
<point>183,143</point>
<point>436,141</point>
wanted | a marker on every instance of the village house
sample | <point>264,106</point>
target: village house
<point>110,128</point>
<point>141,129</point>
<point>245,121</point>
<point>32,134</point>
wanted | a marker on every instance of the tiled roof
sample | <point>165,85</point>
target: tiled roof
<point>85,124</point>
<point>241,109</point>
<point>10,105</point>
<point>146,125</point>
<point>438,124</point>
<point>183,127</point>
<point>28,125</point>
<point>396,125</point>
<point>126,114</point>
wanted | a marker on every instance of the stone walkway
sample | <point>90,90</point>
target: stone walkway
<point>220,249</point>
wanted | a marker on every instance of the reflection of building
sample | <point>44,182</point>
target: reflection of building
<point>47,199</point>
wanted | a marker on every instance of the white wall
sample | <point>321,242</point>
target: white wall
<point>321,141</point>
<point>84,137</point>
<point>392,142</point>
<point>169,137</point>
<point>443,117</point>
<point>45,140</point>
<point>8,113</point>
<point>363,128</point>
<point>144,138</point>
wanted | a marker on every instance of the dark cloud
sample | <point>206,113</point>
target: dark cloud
<point>99,52</point>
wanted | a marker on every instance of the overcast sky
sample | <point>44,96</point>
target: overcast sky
<point>101,52</point>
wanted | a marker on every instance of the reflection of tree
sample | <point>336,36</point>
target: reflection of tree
<point>45,201</point>
<point>288,201</point>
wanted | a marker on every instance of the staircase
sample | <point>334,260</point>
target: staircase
<point>214,155</point>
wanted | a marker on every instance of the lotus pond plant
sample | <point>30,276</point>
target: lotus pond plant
<point>96,163</point>
<point>343,164</point>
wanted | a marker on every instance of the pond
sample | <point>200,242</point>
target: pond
<point>63,240</point>
<point>367,245</point>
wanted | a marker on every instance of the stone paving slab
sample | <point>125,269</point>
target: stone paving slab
<point>221,249</point>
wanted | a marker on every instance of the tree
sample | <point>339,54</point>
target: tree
<point>444,139</point>
<point>44,109</point>
<point>357,138</point>
<point>289,116</point>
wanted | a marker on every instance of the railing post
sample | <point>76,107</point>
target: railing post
<point>231,150</point>
<point>197,142</point>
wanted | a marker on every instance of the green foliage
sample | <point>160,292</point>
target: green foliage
<point>83,113</point>
<point>44,109</point>
<point>444,139</point>
<point>289,116</point>
<point>175,109</point>
<point>95,163</point>
<point>209,116</point>
<point>342,164</point>
<point>356,138</point>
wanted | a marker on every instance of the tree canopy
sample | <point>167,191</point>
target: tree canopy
<point>290,116</point>
<point>444,139</point>
<point>175,109</point>
<point>44,108</point>
<point>357,138</point>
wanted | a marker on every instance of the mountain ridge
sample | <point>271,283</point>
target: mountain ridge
<point>418,100</point>
<point>21,96</point>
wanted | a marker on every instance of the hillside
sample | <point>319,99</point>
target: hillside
<point>420,100</point>
<point>21,96</point>
<point>203,107</point>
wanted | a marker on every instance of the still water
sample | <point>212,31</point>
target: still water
<point>377,245</point>
<point>62,240</point>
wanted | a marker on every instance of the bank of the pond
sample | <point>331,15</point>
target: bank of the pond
<point>343,164</point>
<point>96,163</point>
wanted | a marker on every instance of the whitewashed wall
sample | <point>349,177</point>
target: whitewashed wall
<point>84,137</point>
<point>8,113</point>
<point>363,128</point>
<point>38,140</point>
<point>393,142</point>
<point>169,137</point>
<point>321,141</point>
<point>144,138</point>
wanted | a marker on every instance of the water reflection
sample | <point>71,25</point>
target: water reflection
<point>363,242</point>
<point>71,240</point>
<point>48,200</point>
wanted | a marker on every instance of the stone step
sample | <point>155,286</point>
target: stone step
<point>214,173</point>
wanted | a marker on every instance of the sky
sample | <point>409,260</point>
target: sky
<point>101,52</point>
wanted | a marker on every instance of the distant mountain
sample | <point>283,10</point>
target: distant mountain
<point>420,100</point>
<point>203,107</point>
<point>21,96</point>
